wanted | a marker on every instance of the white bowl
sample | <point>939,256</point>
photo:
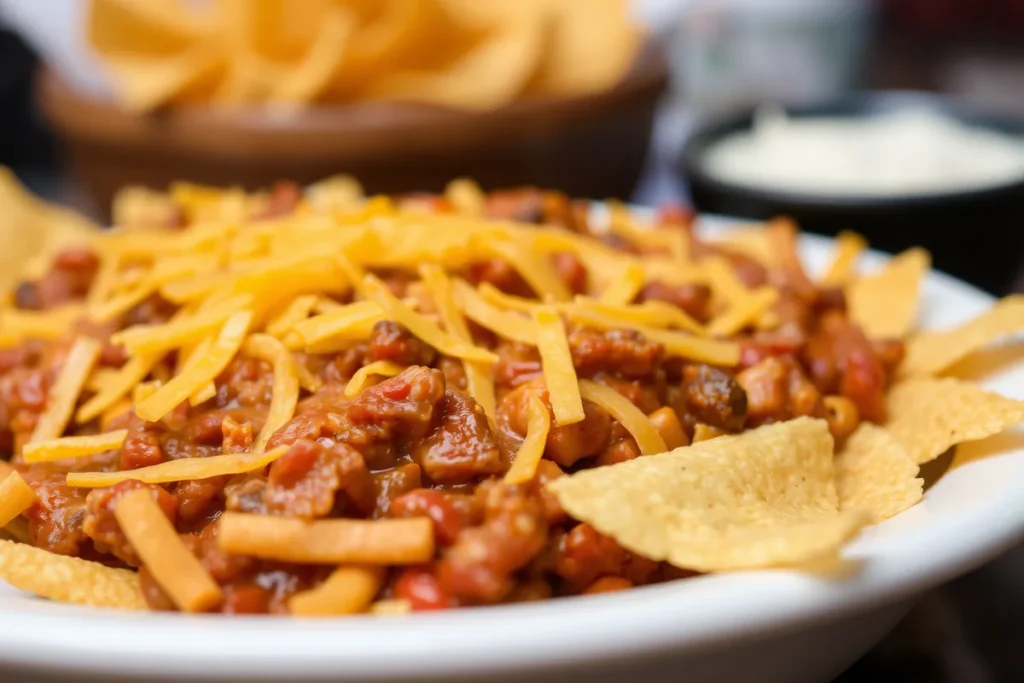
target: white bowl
<point>763,626</point>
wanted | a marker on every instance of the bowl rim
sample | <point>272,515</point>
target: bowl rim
<point>675,617</point>
<point>102,119</point>
<point>855,105</point>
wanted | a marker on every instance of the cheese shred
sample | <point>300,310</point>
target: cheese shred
<point>361,379</point>
<point>557,367</point>
<point>347,590</point>
<point>422,327</point>
<point>625,413</point>
<point>60,404</point>
<point>73,446</point>
<point>15,497</point>
<point>168,561</point>
<point>538,424</point>
<point>479,382</point>
<point>285,390</point>
<point>182,469</point>
<point>849,247</point>
<point>181,386</point>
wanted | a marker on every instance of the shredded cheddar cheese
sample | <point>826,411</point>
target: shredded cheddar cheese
<point>359,380</point>
<point>285,390</point>
<point>295,312</point>
<point>628,415</point>
<point>73,446</point>
<point>171,564</point>
<point>624,288</point>
<point>328,541</point>
<point>507,325</point>
<point>478,378</point>
<point>347,322</point>
<point>60,404</point>
<point>649,313</point>
<point>743,312</point>
<point>495,296</point>
<point>347,590</point>
<point>420,326</point>
<point>182,469</point>
<point>205,370</point>
<point>538,424</point>
<point>849,247</point>
<point>557,366</point>
<point>15,497</point>
<point>155,338</point>
<point>726,288</point>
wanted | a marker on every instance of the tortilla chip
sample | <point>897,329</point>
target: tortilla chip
<point>998,444</point>
<point>875,474</point>
<point>989,363</point>
<point>929,353</point>
<point>69,579</point>
<point>763,498</point>
<point>489,76</point>
<point>591,47</point>
<point>928,416</point>
<point>33,232</point>
<point>884,304</point>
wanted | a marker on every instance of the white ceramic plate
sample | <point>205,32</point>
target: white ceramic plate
<point>764,626</point>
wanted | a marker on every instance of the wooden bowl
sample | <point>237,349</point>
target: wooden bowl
<point>589,146</point>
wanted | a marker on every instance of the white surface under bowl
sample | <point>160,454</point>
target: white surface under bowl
<point>767,626</point>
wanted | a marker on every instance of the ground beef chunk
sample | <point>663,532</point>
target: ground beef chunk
<point>404,404</point>
<point>500,274</point>
<point>777,389</point>
<point>102,527</point>
<point>571,271</point>
<point>244,493</point>
<point>392,342</point>
<point>480,565</point>
<point>23,392</point>
<point>55,521</point>
<point>566,444</point>
<point>517,364</point>
<point>142,447</point>
<point>453,371</point>
<point>714,397</point>
<point>69,279</point>
<point>326,415</point>
<point>625,353</point>
<point>390,484</point>
<point>307,480</point>
<point>246,382</point>
<point>236,437</point>
<point>694,299</point>
<point>199,499</point>
<point>435,506</point>
<point>584,554</point>
<point>462,447</point>
<point>840,359</point>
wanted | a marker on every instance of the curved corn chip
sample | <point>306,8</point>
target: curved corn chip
<point>875,474</point>
<point>761,498</point>
<point>884,304</point>
<point>928,416</point>
<point>929,353</point>
<point>69,579</point>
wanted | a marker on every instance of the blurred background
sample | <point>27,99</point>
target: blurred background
<point>600,98</point>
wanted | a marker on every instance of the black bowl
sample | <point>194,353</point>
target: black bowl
<point>976,235</point>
